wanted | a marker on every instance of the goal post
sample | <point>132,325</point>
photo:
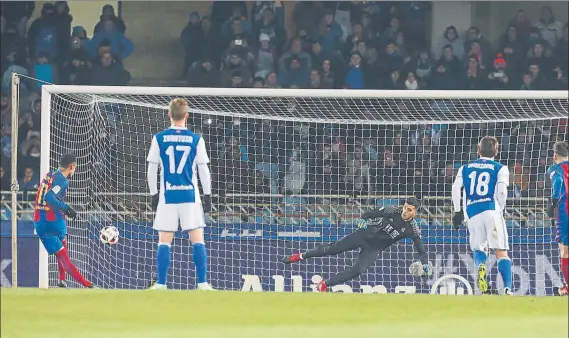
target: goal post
<point>293,169</point>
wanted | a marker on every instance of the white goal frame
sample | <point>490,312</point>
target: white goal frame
<point>49,90</point>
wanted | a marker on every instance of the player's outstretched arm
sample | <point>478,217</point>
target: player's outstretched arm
<point>458,216</point>
<point>387,211</point>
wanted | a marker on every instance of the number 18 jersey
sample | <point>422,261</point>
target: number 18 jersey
<point>178,151</point>
<point>480,180</point>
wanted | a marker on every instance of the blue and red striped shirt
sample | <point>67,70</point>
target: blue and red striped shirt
<point>559,174</point>
<point>50,199</point>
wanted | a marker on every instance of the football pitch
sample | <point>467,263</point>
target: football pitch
<point>111,313</point>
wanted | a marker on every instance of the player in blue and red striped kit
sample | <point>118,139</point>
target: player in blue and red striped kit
<point>49,218</point>
<point>559,206</point>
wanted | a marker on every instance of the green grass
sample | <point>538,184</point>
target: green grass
<point>125,314</point>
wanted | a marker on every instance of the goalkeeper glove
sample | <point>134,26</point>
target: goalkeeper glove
<point>206,203</point>
<point>427,270</point>
<point>70,212</point>
<point>553,204</point>
<point>155,199</point>
<point>457,219</point>
<point>361,223</point>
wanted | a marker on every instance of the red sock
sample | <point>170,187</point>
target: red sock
<point>60,268</point>
<point>565,268</point>
<point>63,259</point>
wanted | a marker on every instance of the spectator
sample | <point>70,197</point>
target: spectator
<point>499,77</point>
<point>538,80</point>
<point>330,33</point>
<point>355,77</point>
<point>306,16</point>
<point>474,35</point>
<point>193,41</point>
<point>559,79</point>
<point>108,13</point>
<point>522,24</point>
<point>368,31</point>
<point>44,70</point>
<point>411,82</point>
<point>296,51</point>
<point>221,10</point>
<point>258,82</point>
<point>421,67</point>
<point>30,181</point>
<point>513,48</point>
<point>484,59</point>
<point>391,60</point>
<point>315,80</point>
<point>327,76</point>
<point>295,75</point>
<point>210,50</point>
<point>295,177</point>
<point>240,46</point>
<point>5,181</point>
<point>451,38</point>
<point>271,81</point>
<point>13,46</point>
<point>234,27</point>
<point>47,34</point>
<point>562,48</point>
<point>447,70</point>
<point>121,46</point>
<point>270,21</point>
<point>474,79</point>
<point>204,74</point>
<point>318,56</point>
<point>353,39</point>
<point>30,156</point>
<point>64,19</point>
<point>17,14</point>
<point>541,54</point>
<point>551,30</point>
<point>76,72</point>
<point>265,58</point>
<point>109,72</point>
<point>389,33</point>
<point>236,62</point>
<point>394,82</point>
<point>401,47</point>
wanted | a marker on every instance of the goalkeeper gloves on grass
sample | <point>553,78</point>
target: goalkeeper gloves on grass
<point>457,219</point>
<point>70,212</point>
<point>155,199</point>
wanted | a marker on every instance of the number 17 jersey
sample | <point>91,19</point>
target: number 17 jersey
<point>480,180</point>
<point>178,151</point>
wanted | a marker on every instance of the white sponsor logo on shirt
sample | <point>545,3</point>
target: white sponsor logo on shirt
<point>56,189</point>
<point>170,186</point>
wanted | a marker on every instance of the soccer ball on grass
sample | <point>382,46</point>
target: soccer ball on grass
<point>109,235</point>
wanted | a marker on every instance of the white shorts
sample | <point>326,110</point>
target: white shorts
<point>188,216</point>
<point>488,230</point>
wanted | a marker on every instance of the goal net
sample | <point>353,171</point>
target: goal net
<point>294,169</point>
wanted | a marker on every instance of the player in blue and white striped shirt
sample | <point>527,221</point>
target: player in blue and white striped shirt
<point>180,153</point>
<point>485,184</point>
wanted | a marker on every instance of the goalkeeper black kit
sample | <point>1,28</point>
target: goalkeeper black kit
<point>378,230</point>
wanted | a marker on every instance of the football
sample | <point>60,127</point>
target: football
<point>109,235</point>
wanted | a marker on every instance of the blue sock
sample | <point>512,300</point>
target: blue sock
<point>479,257</point>
<point>200,260</point>
<point>505,269</point>
<point>162,263</point>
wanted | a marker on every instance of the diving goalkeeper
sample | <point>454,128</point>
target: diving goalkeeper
<point>377,230</point>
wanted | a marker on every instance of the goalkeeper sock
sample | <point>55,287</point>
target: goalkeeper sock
<point>565,268</point>
<point>162,263</point>
<point>63,259</point>
<point>60,268</point>
<point>200,260</point>
<point>505,269</point>
<point>479,257</point>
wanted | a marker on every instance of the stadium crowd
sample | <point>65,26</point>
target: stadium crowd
<point>352,45</point>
